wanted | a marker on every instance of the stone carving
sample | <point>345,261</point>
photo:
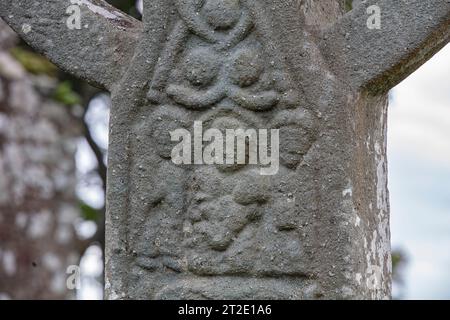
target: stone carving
<point>213,56</point>
<point>222,220</point>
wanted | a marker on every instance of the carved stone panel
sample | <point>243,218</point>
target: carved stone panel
<point>226,231</point>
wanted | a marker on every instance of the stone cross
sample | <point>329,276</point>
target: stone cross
<point>319,228</point>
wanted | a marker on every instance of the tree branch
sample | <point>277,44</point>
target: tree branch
<point>99,52</point>
<point>97,152</point>
<point>95,149</point>
<point>411,32</point>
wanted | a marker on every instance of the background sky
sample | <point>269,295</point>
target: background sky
<point>419,181</point>
<point>419,177</point>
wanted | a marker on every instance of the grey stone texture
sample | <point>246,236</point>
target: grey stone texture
<point>319,229</point>
<point>98,53</point>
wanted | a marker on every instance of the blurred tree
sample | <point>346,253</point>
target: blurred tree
<point>42,114</point>
<point>399,263</point>
<point>38,206</point>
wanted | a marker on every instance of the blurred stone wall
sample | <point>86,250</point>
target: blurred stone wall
<point>38,208</point>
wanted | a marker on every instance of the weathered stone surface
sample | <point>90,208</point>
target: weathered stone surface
<point>98,53</point>
<point>412,31</point>
<point>307,232</point>
<point>317,229</point>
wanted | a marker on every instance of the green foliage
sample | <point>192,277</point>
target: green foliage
<point>88,213</point>
<point>127,6</point>
<point>33,62</point>
<point>398,258</point>
<point>66,95</point>
<point>399,262</point>
<point>348,5</point>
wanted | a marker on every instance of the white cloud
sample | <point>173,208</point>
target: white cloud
<point>419,116</point>
<point>419,178</point>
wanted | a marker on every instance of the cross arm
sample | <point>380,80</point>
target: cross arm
<point>97,51</point>
<point>378,59</point>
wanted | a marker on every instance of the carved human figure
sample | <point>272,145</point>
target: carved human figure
<point>220,24</point>
<point>242,78</point>
<point>158,227</point>
<point>224,23</point>
<point>219,205</point>
<point>213,55</point>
